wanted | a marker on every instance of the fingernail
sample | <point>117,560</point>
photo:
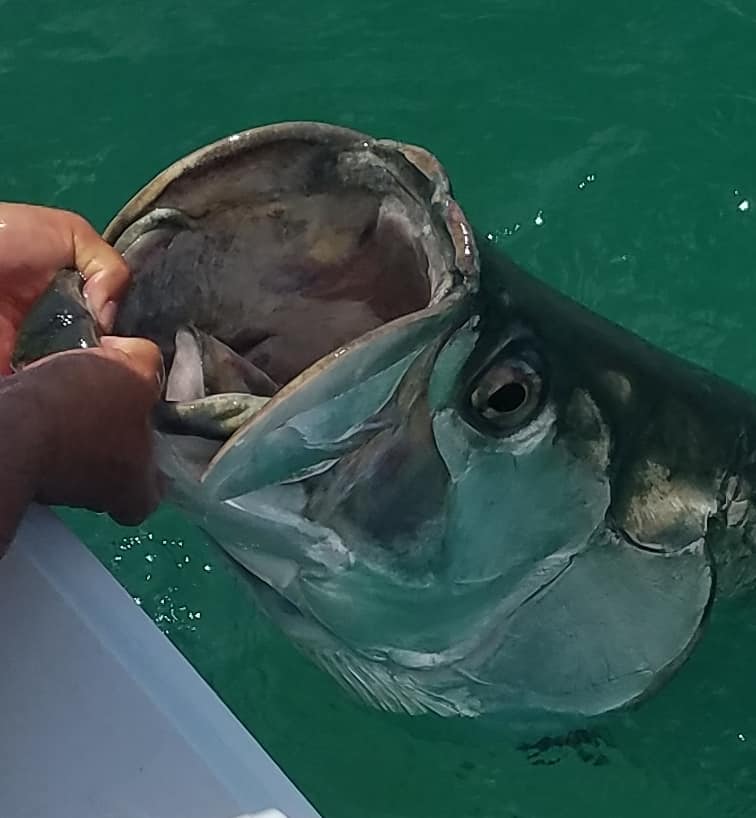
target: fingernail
<point>95,299</point>
<point>103,309</point>
<point>107,316</point>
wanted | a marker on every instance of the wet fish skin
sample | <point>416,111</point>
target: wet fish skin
<point>60,320</point>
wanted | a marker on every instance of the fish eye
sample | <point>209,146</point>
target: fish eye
<point>507,396</point>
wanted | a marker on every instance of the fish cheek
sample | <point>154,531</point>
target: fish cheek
<point>511,507</point>
<point>392,490</point>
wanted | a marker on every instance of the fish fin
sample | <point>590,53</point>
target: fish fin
<point>375,680</point>
<point>387,687</point>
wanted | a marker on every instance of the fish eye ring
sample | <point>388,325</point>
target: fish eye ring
<point>507,395</point>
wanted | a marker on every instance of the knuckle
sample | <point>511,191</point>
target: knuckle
<point>76,221</point>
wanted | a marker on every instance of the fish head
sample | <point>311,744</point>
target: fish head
<point>458,491</point>
<point>511,519</point>
<point>461,499</point>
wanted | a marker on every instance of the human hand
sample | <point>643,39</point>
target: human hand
<point>84,422</point>
<point>35,242</point>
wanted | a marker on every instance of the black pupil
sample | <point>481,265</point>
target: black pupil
<point>508,398</point>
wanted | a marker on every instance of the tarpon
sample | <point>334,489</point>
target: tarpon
<point>454,488</point>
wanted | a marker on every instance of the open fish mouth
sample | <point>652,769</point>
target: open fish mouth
<point>286,248</point>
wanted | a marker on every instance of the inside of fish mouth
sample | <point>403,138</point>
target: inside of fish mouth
<point>283,259</point>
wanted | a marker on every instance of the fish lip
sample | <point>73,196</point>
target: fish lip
<point>461,233</point>
<point>440,201</point>
<point>219,149</point>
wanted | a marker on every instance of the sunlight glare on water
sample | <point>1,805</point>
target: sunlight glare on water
<point>607,147</point>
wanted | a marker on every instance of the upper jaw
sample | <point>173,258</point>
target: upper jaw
<point>325,410</point>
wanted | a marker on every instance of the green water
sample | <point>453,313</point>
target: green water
<point>607,147</point>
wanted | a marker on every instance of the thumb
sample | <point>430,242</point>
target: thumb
<point>141,356</point>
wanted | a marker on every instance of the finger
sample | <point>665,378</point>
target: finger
<point>105,270</point>
<point>141,495</point>
<point>142,356</point>
<point>7,342</point>
<point>104,290</point>
<point>138,503</point>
